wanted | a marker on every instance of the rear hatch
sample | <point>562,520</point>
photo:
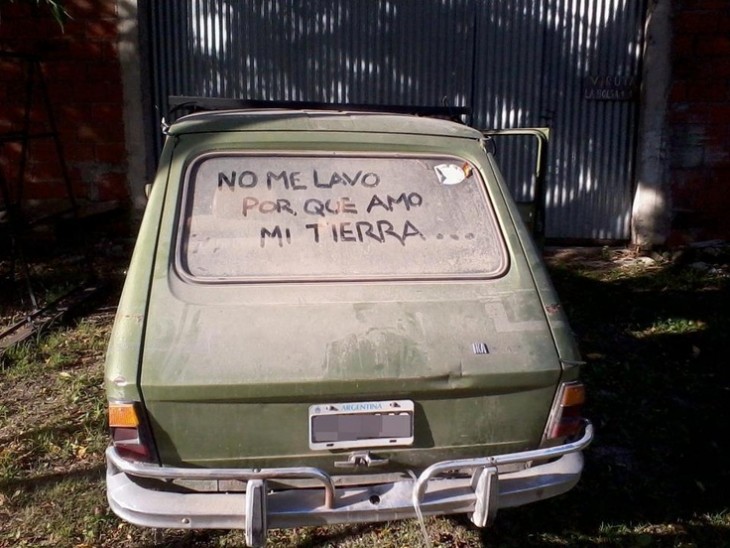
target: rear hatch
<point>302,282</point>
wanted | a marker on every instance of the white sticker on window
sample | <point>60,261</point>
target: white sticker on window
<point>451,174</point>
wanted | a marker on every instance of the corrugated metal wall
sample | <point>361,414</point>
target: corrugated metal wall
<point>534,59</point>
<point>319,50</point>
<point>591,173</point>
<point>514,63</point>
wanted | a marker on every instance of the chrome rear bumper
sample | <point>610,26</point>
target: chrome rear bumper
<point>258,509</point>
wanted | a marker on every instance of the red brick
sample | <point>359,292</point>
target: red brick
<point>62,94</point>
<point>100,133</point>
<point>112,186</point>
<point>30,35</point>
<point>65,72</point>
<point>714,69</point>
<point>13,115</point>
<point>39,172</point>
<point>93,51</point>
<point>101,29</point>
<point>10,160</point>
<point>107,71</point>
<point>710,195</point>
<point>11,69</point>
<point>45,190</point>
<point>723,19</point>
<point>89,8</point>
<point>109,50</point>
<point>684,69</point>
<point>79,189</point>
<point>713,45</point>
<point>111,153</point>
<point>75,173</point>
<point>57,50</point>
<point>704,5</point>
<point>81,8</point>
<point>74,28</point>
<point>40,125</point>
<point>85,51</point>
<point>713,91</point>
<point>107,113</point>
<point>75,152</point>
<point>73,113</point>
<point>96,92</point>
<point>39,116</point>
<point>695,22</point>
<point>42,151</point>
<point>710,113</point>
<point>683,45</point>
<point>678,92</point>
<point>86,133</point>
<point>16,10</point>
<point>11,150</point>
<point>16,89</point>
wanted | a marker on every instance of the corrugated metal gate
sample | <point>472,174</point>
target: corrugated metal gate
<point>571,65</point>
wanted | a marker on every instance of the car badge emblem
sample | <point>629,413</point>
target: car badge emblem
<point>480,348</point>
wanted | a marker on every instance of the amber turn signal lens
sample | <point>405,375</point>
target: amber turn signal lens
<point>566,419</point>
<point>573,394</point>
<point>123,415</point>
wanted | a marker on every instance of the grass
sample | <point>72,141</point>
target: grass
<point>52,436</point>
<point>654,336</point>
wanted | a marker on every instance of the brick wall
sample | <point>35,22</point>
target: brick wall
<point>82,73</point>
<point>699,120</point>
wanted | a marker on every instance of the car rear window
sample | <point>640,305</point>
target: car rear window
<point>336,216</point>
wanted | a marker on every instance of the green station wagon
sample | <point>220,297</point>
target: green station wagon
<point>335,317</point>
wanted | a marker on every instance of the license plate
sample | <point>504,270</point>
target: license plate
<point>361,424</point>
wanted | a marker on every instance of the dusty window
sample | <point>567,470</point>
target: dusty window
<point>251,217</point>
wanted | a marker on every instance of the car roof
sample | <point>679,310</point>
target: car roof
<point>319,120</point>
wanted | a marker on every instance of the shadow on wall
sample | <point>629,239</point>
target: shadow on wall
<point>516,64</point>
<point>80,67</point>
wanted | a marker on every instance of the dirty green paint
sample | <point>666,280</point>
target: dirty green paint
<point>228,370</point>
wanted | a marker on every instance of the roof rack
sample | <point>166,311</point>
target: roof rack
<point>197,104</point>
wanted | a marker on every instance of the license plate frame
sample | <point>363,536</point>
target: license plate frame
<point>354,425</point>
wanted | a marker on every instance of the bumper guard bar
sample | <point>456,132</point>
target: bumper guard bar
<point>258,508</point>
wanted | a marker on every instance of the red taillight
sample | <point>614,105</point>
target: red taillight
<point>127,432</point>
<point>566,418</point>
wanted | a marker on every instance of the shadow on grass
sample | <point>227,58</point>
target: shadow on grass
<point>55,432</point>
<point>328,536</point>
<point>46,481</point>
<point>656,347</point>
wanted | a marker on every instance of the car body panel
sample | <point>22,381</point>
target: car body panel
<point>225,370</point>
<point>247,355</point>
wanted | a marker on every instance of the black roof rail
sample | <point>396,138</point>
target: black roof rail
<point>197,104</point>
